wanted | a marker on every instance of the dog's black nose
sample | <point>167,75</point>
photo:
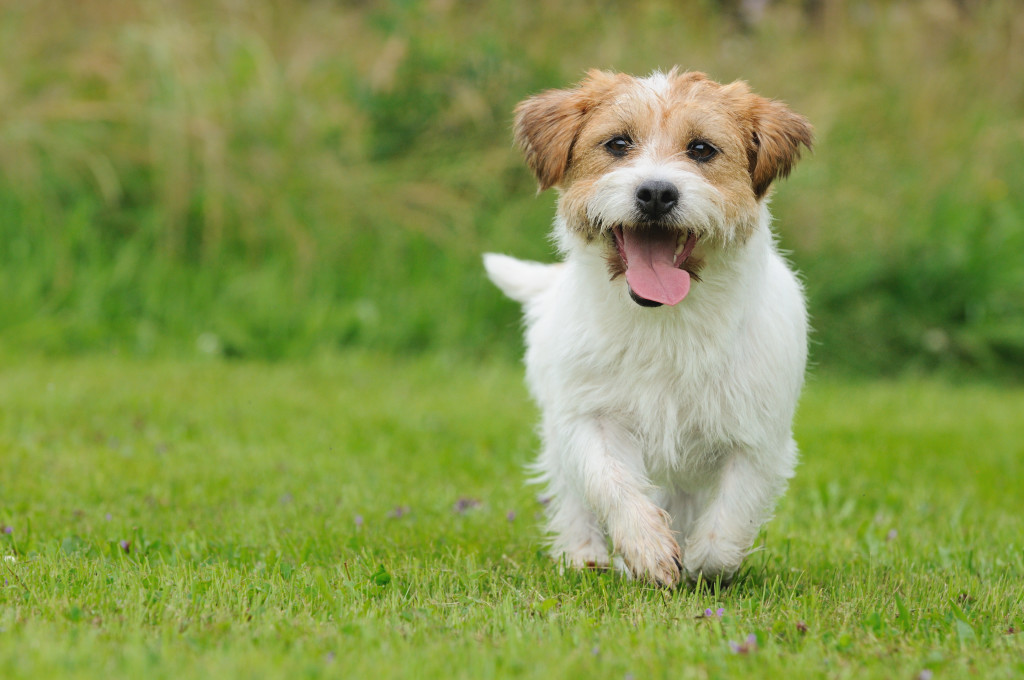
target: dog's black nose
<point>656,198</point>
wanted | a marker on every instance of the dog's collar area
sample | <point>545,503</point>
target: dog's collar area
<point>653,258</point>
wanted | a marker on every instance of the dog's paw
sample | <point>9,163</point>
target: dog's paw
<point>655,558</point>
<point>592,555</point>
<point>710,560</point>
<point>662,570</point>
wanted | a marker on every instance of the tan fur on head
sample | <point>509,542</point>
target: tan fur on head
<point>546,124</point>
<point>778,134</point>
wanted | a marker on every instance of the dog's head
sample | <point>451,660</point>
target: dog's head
<point>658,170</point>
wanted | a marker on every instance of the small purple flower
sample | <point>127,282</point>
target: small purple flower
<point>511,516</point>
<point>464,504</point>
<point>891,536</point>
<point>359,520</point>
<point>107,517</point>
<point>8,530</point>
<point>595,650</point>
<point>126,546</point>
<point>711,613</point>
<point>708,613</point>
<point>720,612</point>
<point>924,675</point>
<point>399,511</point>
<point>745,647</point>
<point>329,657</point>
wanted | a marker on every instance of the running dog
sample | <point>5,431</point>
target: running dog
<point>667,351</point>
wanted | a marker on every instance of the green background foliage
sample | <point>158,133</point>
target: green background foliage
<point>269,179</point>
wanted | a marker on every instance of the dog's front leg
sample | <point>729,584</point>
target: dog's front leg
<point>603,464</point>
<point>722,535</point>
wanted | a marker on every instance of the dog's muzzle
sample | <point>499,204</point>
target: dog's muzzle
<point>653,257</point>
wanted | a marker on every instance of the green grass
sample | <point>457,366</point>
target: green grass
<point>237,486</point>
<point>289,177</point>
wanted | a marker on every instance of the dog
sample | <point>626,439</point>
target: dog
<point>667,351</point>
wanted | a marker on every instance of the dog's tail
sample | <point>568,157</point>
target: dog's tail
<point>521,280</point>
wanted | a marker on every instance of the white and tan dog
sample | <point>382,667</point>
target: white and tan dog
<point>667,351</point>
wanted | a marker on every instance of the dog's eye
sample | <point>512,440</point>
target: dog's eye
<point>701,151</point>
<point>618,146</point>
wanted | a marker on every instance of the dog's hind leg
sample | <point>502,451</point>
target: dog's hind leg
<point>685,509</point>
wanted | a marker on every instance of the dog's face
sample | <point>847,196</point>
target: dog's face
<point>655,171</point>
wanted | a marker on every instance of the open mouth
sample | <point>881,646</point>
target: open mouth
<point>654,259</point>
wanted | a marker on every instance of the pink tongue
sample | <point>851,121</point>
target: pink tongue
<point>650,266</point>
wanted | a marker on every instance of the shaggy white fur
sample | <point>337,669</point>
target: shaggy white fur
<point>666,430</point>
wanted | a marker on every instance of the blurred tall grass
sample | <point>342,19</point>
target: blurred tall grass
<point>271,178</point>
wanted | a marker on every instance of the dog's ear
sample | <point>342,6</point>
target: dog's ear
<point>547,124</point>
<point>774,147</point>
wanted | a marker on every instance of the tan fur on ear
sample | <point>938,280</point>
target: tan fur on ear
<point>547,124</point>
<point>778,133</point>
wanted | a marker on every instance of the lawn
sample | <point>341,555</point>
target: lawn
<point>363,516</point>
